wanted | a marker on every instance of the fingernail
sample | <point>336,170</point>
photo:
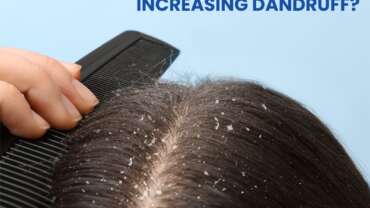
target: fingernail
<point>40,121</point>
<point>73,68</point>
<point>85,93</point>
<point>72,110</point>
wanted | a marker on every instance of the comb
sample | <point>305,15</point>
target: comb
<point>27,167</point>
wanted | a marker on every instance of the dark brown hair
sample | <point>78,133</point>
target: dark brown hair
<point>216,144</point>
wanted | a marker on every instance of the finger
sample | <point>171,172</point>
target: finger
<point>75,91</point>
<point>73,69</point>
<point>44,96</point>
<point>17,115</point>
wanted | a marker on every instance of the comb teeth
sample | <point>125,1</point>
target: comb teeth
<point>26,172</point>
<point>131,68</point>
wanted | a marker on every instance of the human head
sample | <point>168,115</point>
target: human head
<point>215,144</point>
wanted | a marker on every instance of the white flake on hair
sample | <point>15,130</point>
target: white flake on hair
<point>158,192</point>
<point>264,106</point>
<point>217,181</point>
<point>130,162</point>
<point>229,127</point>
<point>97,131</point>
<point>217,123</point>
<point>152,141</point>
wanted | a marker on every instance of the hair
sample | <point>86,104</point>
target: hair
<point>215,144</point>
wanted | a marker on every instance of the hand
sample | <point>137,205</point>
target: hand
<point>38,92</point>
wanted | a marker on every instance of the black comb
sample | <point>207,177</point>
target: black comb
<point>27,167</point>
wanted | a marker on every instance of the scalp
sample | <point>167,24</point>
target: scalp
<point>215,144</point>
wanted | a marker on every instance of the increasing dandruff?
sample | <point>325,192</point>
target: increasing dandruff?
<point>244,5</point>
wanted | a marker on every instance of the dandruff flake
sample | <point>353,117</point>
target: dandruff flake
<point>264,106</point>
<point>217,123</point>
<point>230,127</point>
<point>130,162</point>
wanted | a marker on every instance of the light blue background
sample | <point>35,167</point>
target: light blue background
<point>320,59</point>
